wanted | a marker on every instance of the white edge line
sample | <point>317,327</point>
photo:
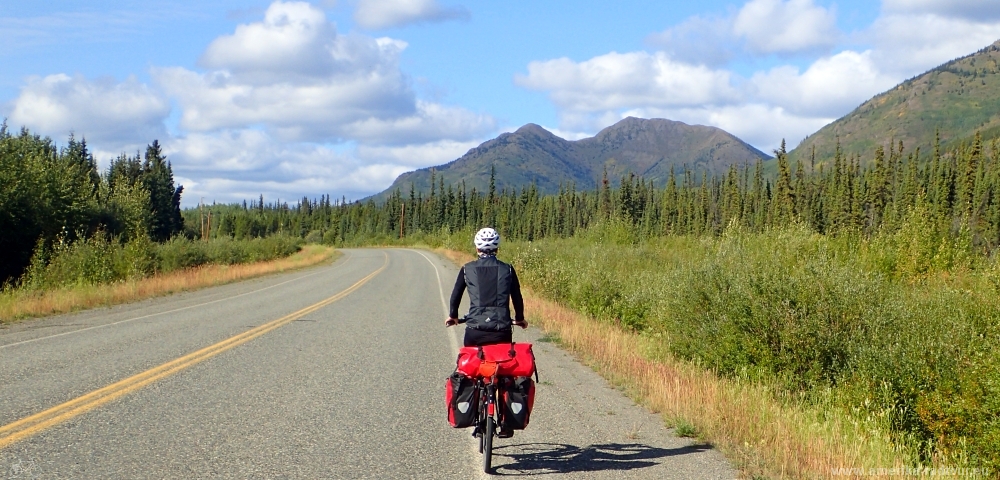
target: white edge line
<point>473,444</point>
<point>444,304</point>
<point>168,311</point>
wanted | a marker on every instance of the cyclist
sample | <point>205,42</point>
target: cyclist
<point>492,286</point>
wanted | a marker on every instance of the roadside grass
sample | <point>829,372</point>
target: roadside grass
<point>17,304</point>
<point>767,433</point>
<point>764,434</point>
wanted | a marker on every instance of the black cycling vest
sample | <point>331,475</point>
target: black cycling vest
<point>489,281</point>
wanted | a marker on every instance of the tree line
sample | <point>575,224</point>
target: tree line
<point>57,194</point>
<point>956,193</point>
<point>54,195</point>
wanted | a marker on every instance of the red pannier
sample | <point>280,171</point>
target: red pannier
<point>518,400</point>
<point>512,359</point>
<point>461,397</point>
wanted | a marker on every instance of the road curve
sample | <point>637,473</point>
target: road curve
<point>330,372</point>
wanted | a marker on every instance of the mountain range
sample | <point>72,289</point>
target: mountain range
<point>532,154</point>
<point>952,101</point>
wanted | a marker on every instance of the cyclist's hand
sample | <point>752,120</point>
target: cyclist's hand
<point>522,323</point>
<point>448,322</point>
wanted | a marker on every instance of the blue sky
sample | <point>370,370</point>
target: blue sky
<point>289,99</point>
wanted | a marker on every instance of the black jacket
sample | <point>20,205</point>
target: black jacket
<point>492,286</point>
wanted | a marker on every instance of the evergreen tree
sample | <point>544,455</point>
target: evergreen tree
<point>164,199</point>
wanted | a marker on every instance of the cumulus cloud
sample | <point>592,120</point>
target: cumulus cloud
<point>760,27</point>
<point>237,164</point>
<point>830,87</point>
<point>910,43</point>
<point>759,124</point>
<point>626,80</point>
<point>783,102</point>
<point>416,156</point>
<point>296,76</point>
<point>288,106</point>
<point>378,14</point>
<point>776,26</point>
<point>102,110</point>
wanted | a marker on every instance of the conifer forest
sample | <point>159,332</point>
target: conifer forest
<point>957,190</point>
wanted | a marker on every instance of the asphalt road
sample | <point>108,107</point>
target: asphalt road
<point>332,372</point>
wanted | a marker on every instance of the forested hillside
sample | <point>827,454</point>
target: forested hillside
<point>957,99</point>
<point>51,196</point>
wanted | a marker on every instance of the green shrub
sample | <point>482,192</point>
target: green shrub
<point>92,261</point>
<point>896,329</point>
<point>100,260</point>
<point>314,236</point>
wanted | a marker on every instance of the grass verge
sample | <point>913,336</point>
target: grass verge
<point>15,304</point>
<point>762,433</point>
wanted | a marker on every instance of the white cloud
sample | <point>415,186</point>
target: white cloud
<point>103,110</point>
<point>294,36</point>
<point>378,14</point>
<point>908,44</point>
<point>976,10</point>
<point>777,26</point>
<point>296,40</point>
<point>626,80</point>
<point>782,102</point>
<point>297,77</point>
<point>830,87</point>
<point>239,164</point>
<point>759,28</point>
<point>416,156</point>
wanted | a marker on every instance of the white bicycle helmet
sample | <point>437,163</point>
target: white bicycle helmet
<point>487,240</point>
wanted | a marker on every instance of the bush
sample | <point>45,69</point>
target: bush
<point>100,260</point>
<point>90,261</point>
<point>878,325</point>
<point>314,236</point>
<point>180,252</point>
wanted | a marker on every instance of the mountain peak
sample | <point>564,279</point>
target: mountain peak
<point>533,129</point>
<point>533,155</point>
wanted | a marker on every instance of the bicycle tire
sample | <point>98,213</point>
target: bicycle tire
<point>488,445</point>
<point>480,426</point>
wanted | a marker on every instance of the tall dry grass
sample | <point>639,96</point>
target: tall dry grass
<point>763,434</point>
<point>18,304</point>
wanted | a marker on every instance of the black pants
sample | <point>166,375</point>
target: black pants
<point>474,338</point>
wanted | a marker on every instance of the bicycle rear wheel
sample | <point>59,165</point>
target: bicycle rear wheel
<point>481,426</point>
<point>487,444</point>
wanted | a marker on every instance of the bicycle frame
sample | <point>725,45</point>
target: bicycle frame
<point>488,419</point>
<point>488,394</point>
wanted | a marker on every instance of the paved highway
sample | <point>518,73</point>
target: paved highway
<point>331,372</point>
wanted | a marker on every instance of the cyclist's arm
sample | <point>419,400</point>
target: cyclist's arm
<point>515,296</point>
<point>456,294</point>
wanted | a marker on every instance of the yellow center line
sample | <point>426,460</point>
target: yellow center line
<point>34,424</point>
